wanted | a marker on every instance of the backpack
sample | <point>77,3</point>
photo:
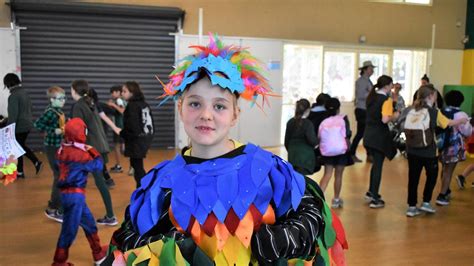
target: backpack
<point>332,135</point>
<point>417,129</point>
<point>443,138</point>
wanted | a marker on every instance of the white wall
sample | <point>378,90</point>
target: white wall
<point>8,59</point>
<point>254,125</point>
<point>446,67</point>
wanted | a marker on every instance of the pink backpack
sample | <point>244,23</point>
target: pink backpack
<point>332,136</point>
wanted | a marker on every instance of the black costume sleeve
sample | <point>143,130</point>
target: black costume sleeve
<point>294,235</point>
<point>127,237</point>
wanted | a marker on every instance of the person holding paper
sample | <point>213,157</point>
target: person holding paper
<point>19,112</point>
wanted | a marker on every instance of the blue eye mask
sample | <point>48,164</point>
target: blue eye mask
<point>221,72</point>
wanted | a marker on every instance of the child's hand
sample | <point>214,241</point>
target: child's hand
<point>117,130</point>
<point>58,131</point>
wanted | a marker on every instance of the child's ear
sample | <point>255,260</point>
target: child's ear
<point>236,115</point>
<point>180,107</point>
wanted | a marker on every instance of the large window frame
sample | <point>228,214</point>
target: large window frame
<point>288,105</point>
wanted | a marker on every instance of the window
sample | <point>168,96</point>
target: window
<point>301,78</point>
<point>421,2</point>
<point>408,68</point>
<point>301,72</point>
<point>309,70</point>
<point>379,60</point>
<point>411,2</point>
<point>339,71</point>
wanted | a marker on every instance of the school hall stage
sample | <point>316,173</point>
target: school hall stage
<point>376,237</point>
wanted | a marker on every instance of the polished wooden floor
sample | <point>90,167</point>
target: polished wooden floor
<point>376,237</point>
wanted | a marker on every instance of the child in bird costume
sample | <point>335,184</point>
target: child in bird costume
<point>222,202</point>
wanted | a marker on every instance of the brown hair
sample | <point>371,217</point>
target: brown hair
<point>81,87</point>
<point>301,106</point>
<point>53,90</point>
<point>382,81</point>
<point>135,90</point>
<point>423,92</point>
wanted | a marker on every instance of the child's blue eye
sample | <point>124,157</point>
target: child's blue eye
<point>219,107</point>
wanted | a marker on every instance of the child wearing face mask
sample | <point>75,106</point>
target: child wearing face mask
<point>419,127</point>
<point>76,160</point>
<point>51,123</point>
<point>222,202</point>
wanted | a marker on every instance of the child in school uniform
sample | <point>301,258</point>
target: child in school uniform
<point>420,123</point>
<point>453,147</point>
<point>118,105</point>
<point>334,139</point>
<point>76,160</point>
<point>51,122</point>
<point>221,202</point>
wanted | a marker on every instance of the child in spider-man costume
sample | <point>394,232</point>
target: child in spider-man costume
<point>76,160</point>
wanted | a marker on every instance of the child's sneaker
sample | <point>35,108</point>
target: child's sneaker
<point>442,200</point>
<point>38,167</point>
<point>110,183</point>
<point>426,207</point>
<point>461,180</point>
<point>413,211</point>
<point>116,169</point>
<point>368,196</point>
<point>131,171</point>
<point>20,175</point>
<point>337,203</point>
<point>110,221</point>
<point>377,203</point>
<point>54,215</point>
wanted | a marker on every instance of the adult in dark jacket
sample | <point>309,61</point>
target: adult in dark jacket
<point>19,112</point>
<point>300,139</point>
<point>377,138</point>
<point>138,128</point>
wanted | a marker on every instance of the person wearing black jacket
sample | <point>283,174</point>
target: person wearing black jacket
<point>138,128</point>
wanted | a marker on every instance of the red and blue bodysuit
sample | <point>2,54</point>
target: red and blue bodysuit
<point>76,160</point>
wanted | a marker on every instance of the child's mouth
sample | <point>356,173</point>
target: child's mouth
<point>204,129</point>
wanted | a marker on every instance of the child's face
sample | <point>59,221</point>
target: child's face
<point>115,95</point>
<point>126,94</point>
<point>58,100</point>
<point>74,95</point>
<point>208,113</point>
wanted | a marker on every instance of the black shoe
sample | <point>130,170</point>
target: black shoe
<point>377,203</point>
<point>110,183</point>
<point>54,215</point>
<point>461,180</point>
<point>116,169</point>
<point>38,167</point>
<point>110,221</point>
<point>442,200</point>
<point>20,175</point>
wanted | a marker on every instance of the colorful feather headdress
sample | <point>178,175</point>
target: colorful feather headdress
<point>231,67</point>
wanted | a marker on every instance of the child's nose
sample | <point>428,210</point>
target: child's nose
<point>206,113</point>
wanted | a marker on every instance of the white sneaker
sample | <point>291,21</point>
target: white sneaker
<point>337,203</point>
<point>413,211</point>
<point>426,207</point>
